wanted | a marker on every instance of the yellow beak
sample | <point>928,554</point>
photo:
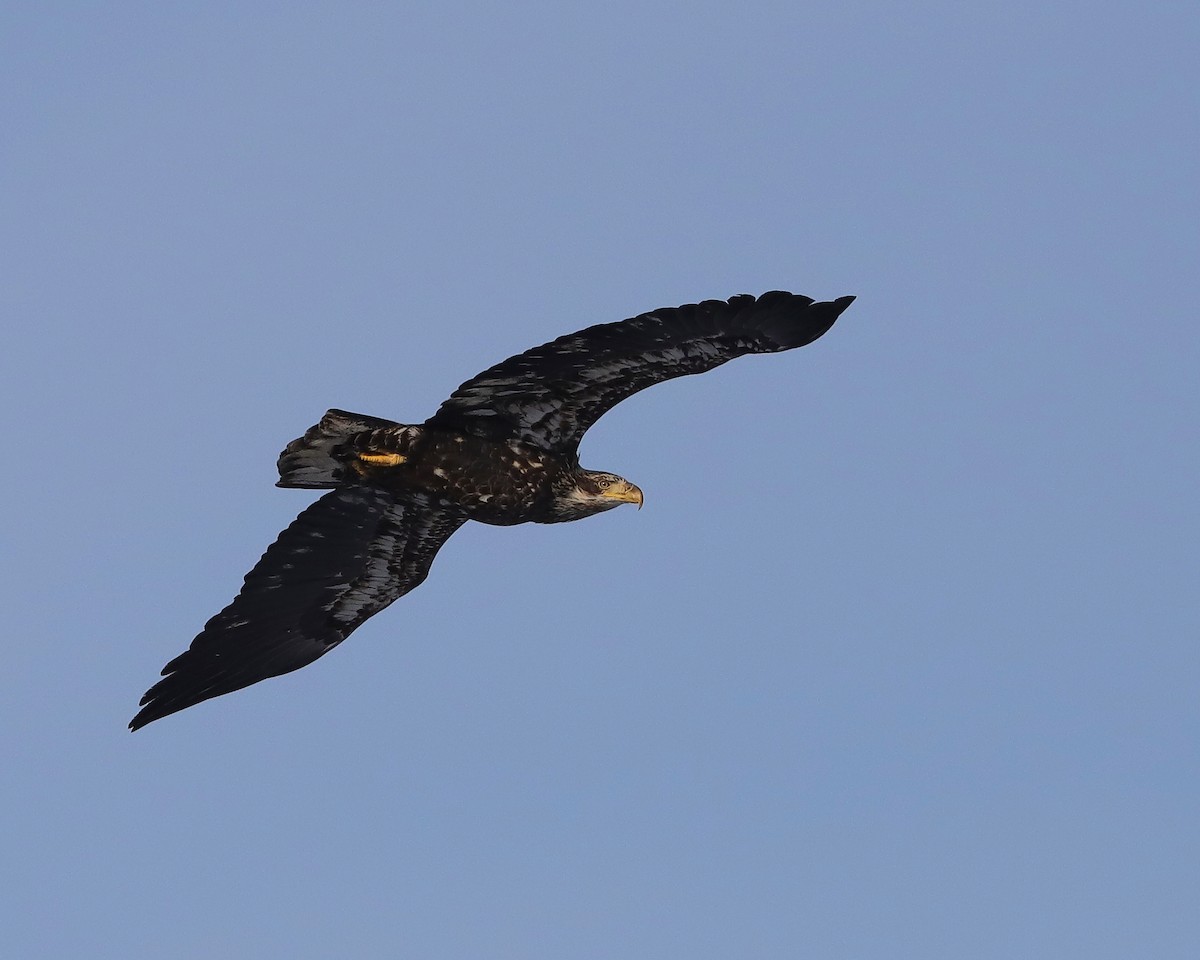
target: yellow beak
<point>626,492</point>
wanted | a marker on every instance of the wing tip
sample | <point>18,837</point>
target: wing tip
<point>825,314</point>
<point>148,714</point>
<point>787,320</point>
<point>156,704</point>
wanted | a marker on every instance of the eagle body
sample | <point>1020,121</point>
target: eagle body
<point>499,482</point>
<point>502,449</point>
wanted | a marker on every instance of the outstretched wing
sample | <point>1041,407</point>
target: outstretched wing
<point>341,561</point>
<point>550,395</point>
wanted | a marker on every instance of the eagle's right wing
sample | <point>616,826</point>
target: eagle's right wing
<point>341,561</point>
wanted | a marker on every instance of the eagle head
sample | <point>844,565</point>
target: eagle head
<point>593,491</point>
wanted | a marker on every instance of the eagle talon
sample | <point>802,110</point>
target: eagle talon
<point>382,459</point>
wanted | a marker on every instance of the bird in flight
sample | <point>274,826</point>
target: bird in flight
<point>503,449</point>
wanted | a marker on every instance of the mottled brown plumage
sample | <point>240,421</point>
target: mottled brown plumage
<point>503,449</point>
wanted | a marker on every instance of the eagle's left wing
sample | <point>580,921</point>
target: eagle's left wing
<point>550,395</point>
<point>341,561</point>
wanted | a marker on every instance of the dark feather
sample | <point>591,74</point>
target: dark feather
<point>341,561</point>
<point>550,395</point>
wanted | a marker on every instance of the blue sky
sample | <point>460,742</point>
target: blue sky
<point>899,660</point>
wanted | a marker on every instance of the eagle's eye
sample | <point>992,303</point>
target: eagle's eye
<point>604,482</point>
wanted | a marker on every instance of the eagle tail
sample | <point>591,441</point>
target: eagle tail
<point>316,460</point>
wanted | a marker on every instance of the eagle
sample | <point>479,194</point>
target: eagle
<point>503,449</point>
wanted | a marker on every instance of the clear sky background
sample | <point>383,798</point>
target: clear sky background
<point>900,658</point>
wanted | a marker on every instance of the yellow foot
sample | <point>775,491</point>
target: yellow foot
<point>382,459</point>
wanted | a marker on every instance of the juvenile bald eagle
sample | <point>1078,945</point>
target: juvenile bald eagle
<point>503,449</point>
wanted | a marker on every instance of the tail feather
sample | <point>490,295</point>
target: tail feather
<point>313,461</point>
